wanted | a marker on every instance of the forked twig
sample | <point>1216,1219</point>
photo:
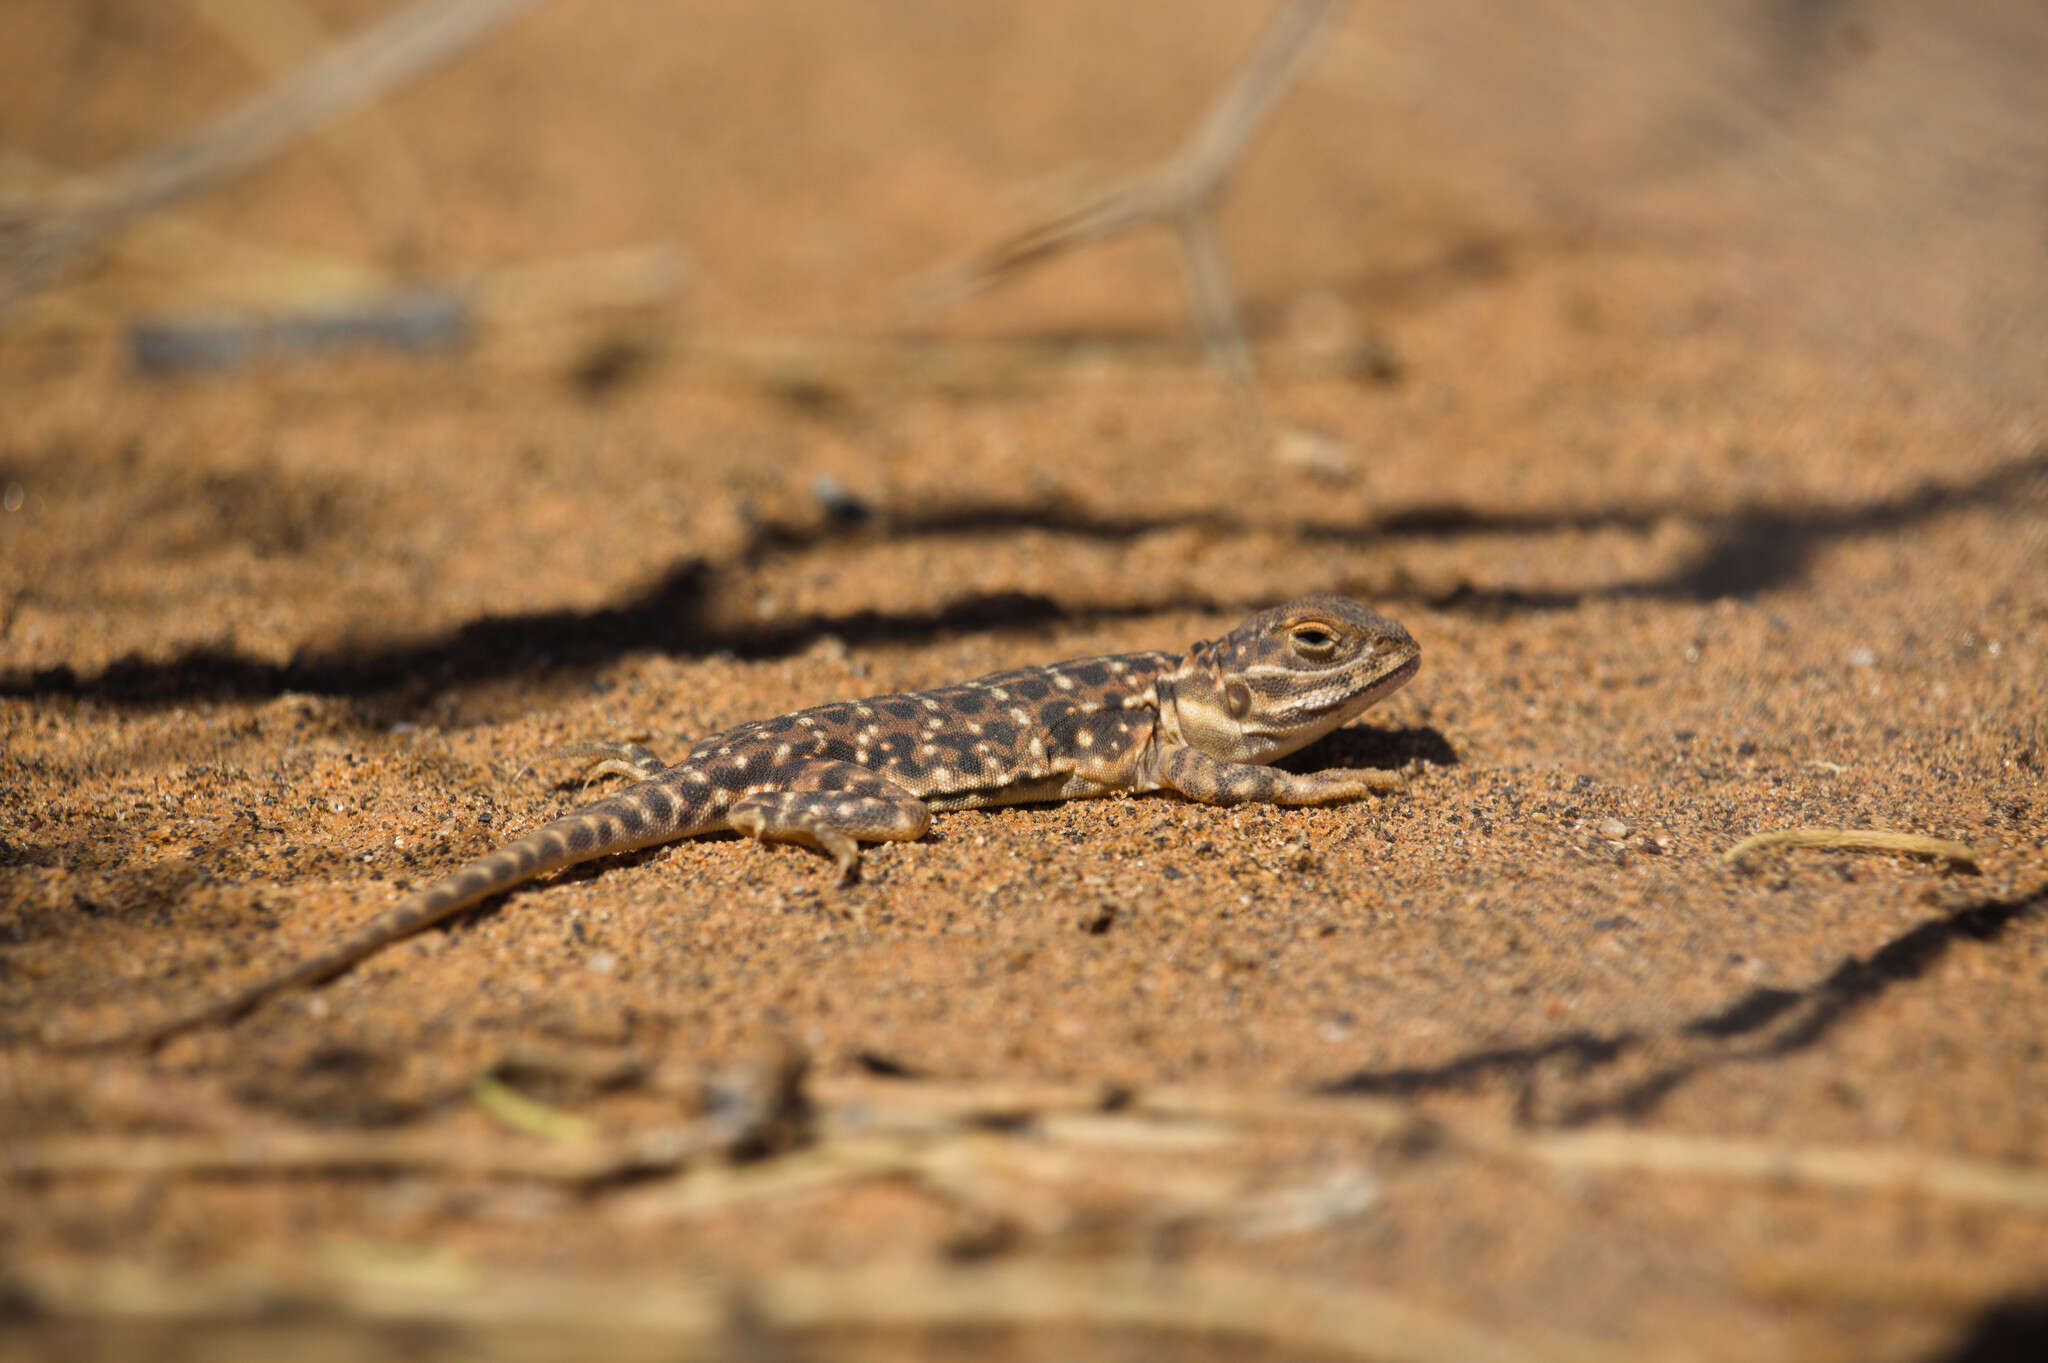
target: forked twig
<point>1180,192</point>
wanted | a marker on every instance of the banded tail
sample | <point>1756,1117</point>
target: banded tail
<point>634,818</point>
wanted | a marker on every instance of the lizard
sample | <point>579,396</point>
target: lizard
<point>1205,725</point>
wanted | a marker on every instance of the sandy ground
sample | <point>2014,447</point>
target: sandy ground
<point>1676,379</point>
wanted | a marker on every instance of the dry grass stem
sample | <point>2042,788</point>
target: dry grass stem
<point>514,1109</point>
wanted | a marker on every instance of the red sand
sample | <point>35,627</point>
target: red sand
<point>1695,431</point>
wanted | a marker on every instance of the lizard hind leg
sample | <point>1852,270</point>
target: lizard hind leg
<point>833,821</point>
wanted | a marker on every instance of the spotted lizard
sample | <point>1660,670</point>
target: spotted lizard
<point>1204,725</point>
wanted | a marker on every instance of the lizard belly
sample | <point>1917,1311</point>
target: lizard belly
<point>1036,790</point>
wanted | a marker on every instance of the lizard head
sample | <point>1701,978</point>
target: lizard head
<point>1287,676</point>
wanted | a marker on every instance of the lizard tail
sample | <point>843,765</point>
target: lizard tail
<point>638,817</point>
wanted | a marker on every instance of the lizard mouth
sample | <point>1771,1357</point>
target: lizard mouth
<point>1377,690</point>
<point>1394,680</point>
<point>1337,705</point>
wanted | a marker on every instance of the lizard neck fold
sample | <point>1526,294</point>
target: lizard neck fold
<point>1166,731</point>
<point>1169,732</point>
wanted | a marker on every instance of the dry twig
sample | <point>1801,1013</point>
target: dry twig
<point>38,240</point>
<point>1856,840</point>
<point>1944,1287</point>
<point>297,1152</point>
<point>279,36</point>
<point>1835,1167</point>
<point>916,1129</point>
<point>1285,1311</point>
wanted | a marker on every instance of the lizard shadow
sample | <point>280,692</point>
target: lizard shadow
<point>1366,745</point>
<point>1746,552</point>
<point>1357,745</point>
<point>1761,1025</point>
<point>2007,1330</point>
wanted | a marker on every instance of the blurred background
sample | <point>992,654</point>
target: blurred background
<point>623,369</point>
<point>1882,164</point>
<point>1600,219</point>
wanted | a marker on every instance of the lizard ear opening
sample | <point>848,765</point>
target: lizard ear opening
<point>1238,698</point>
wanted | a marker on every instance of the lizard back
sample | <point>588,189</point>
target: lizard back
<point>995,739</point>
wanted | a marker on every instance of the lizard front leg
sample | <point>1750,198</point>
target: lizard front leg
<point>1199,776</point>
<point>830,806</point>
<point>629,760</point>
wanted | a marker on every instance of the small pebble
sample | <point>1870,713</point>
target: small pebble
<point>1324,456</point>
<point>1614,830</point>
<point>1862,657</point>
<point>839,503</point>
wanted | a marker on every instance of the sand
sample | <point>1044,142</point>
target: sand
<point>1676,380</point>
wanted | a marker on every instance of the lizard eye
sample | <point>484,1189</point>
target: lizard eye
<point>1313,642</point>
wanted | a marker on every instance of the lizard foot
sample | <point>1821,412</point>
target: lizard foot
<point>629,760</point>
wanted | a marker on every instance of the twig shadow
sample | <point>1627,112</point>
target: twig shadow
<point>1749,551</point>
<point>1581,1076</point>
